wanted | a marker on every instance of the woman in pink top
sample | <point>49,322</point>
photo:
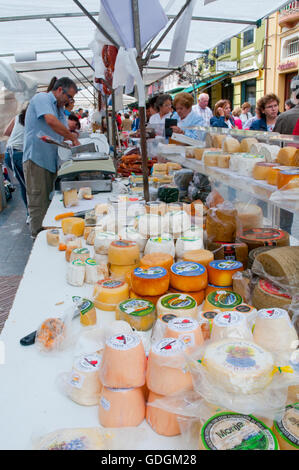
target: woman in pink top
<point>236,116</point>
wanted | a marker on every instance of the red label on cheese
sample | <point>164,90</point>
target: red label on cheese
<point>272,289</point>
<point>263,234</point>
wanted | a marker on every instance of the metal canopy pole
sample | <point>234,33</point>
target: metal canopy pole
<point>107,120</point>
<point>219,20</point>
<point>82,84</point>
<point>114,128</point>
<point>81,73</point>
<point>52,68</point>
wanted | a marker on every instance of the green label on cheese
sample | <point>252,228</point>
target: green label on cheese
<point>137,307</point>
<point>224,299</point>
<point>178,301</point>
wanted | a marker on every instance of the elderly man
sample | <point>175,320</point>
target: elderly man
<point>202,108</point>
<point>45,116</point>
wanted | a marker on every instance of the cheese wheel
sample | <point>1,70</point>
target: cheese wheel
<point>150,281</point>
<point>234,431</point>
<point>210,158</point>
<point>84,386</point>
<point>180,304</point>
<point>70,246</point>
<point>230,251</point>
<point>124,362</point>
<point>187,329</point>
<point>211,288</point>
<point>238,365</point>
<point>245,144</point>
<point>139,313</point>
<point>282,263</point>
<point>250,215</point>
<point>274,331</point>
<point>257,237</point>
<point>53,238</point>
<point>253,254</point>
<point>151,298</point>
<point>202,256</point>
<point>270,152</point>
<point>231,145</point>
<point>198,152</point>
<point>73,225</point>
<point>73,439</point>
<point>261,170</point>
<point>121,272</point>
<point>70,197</point>
<point>80,253</point>
<point>150,225</point>
<point>286,156</point>
<point>285,177</point>
<point>222,299</point>
<point>206,319</point>
<point>186,243</point>
<point>223,161</point>
<point>102,242</point>
<point>221,224</point>
<point>94,271</point>
<point>286,429</point>
<point>160,245</point>
<point>272,176</point>
<point>220,272</point>
<point>108,293</point>
<point>230,324</point>
<point>188,276</point>
<point>165,374</point>
<point>120,408</point>
<point>76,273</point>
<point>161,421</point>
<point>156,207</point>
<point>123,253</point>
<point>130,233</point>
<point>267,295</point>
<point>217,140</point>
<point>157,259</point>
<point>198,296</point>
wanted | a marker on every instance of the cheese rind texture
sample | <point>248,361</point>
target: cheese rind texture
<point>150,281</point>
<point>73,225</point>
<point>139,313</point>
<point>121,407</point>
<point>161,421</point>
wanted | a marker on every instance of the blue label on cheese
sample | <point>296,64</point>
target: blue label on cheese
<point>154,272</point>
<point>188,268</point>
<point>225,265</point>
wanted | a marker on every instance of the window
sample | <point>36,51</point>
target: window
<point>248,37</point>
<point>293,47</point>
<point>223,48</point>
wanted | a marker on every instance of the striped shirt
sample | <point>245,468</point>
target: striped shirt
<point>204,113</point>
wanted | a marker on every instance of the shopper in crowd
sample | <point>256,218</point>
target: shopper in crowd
<point>245,112</point>
<point>85,122</point>
<point>118,121</point>
<point>73,123</point>
<point>268,110</point>
<point>51,84</point>
<point>14,151</point>
<point>69,107</point>
<point>286,121</point>
<point>151,108</point>
<point>252,119</point>
<point>236,113</point>
<point>289,105</point>
<point>203,109</point>
<point>45,116</point>
<point>186,116</point>
<point>136,122</point>
<point>126,124</point>
<point>164,109</point>
<point>79,113</point>
<point>222,115</point>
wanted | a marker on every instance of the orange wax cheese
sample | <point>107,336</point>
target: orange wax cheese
<point>123,253</point>
<point>122,407</point>
<point>187,329</point>
<point>121,272</point>
<point>198,296</point>
<point>157,259</point>
<point>188,276</point>
<point>262,170</point>
<point>124,362</point>
<point>161,421</point>
<point>203,257</point>
<point>150,281</point>
<point>221,272</point>
<point>73,225</point>
<point>165,373</point>
<point>230,251</point>
<point>108,293</point>
<point>152,298</point>
<point>284,177</point>
<point>272,175</point>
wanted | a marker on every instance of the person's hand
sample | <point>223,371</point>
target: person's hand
<point>220,111</point>
<point>75,140</point>
<point>177,130</point>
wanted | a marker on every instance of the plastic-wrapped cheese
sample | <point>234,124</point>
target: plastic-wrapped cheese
<point>157,259</point>
<point>267,295</point>
<point>201,256</point>
<point>198,296</point>
<point>230,324</point>
<point>270,152</point>
<point>76,273</point>
<point>156,207</point>
<point>150,225</point>
<point>70,246</point>
<point>88,314</point>
<point>160,245</point>
<point>223,300</point>
<point>117,327</point>
<point>221,224</point>
<point>274,331</point>
<point>187,329</point>
<point>84,384</point>
<point>234,431</point>
<point>73,225</point>
<point>150,281</point>
<point>121,272</point>
<point>210,158</point>
<point>165,373</point>
<point>124,362</point>
<point>223,161</point>
<point>94,271</point>
<point>285,177</point>
<point>282,263</point>
<point>158,331</point>
<point>139,313</point>
<point>123,253</point>
<point>102,242</point>
<point>177,222</point>
<point>221,272</point>
<point>238,365</point>
<point>53,237</point>
<point>73,439</point>
<point>250,215</point>
<point>178,303</point>
<point>256,237</point>
<point>231,145</point>
<point>188,276</point>
<point>108,293</point>
<point>286,156</point>
<point>121,407</point>
<point>129,233</point>
<point>161,421</point>
<point>80,253</point>
<point>245,144</point>
<point>286,429</point>
<point>206,319</point>
<point>184,244</point>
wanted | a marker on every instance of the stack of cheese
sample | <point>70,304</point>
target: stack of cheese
<point>199,152</point>
<point>187,243</point>
<point>220,275</point>
<point>123,258</point>
<point>159,169</point>
<point>187,277</point>
<point>82,268</point>
<point>244,163</point>
<point>107,294</point>
<point>122,399</point>
<point>102,242</point>
<point>156,207</point>
<point>163,244</point>
<point>149,282</point>
<point>165,376</point>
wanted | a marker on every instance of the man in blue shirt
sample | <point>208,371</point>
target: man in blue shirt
<point>45,116</point>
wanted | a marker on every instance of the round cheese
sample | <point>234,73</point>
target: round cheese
<point>274,331</point>
<point>267,295</point>
<point>180,304</point>
<point>177,222</point>
<point>150,281</point>
<point>160,245</point>
<point>270,152</point>
<point>231,145</point>
<point>161,421</point>
<point>88,314</point>
<point>53,238</point>
<point>73,225</point>
<point>80,253</point>
<point>286,156</point>
<point>220,272</point>
<point>121,407</point>
<point>84,385</point>
<point>230,324</point>
<point>87,231</point>
<point>102,242</point>
<point>186,243</point>
<point>156,207</point>
<point>151,298</point>
<point>250,215</point>
<point>198,296</point>
<point>165,373</point>
<point>188,276</point>
<point>123,253</point>
<point>238,365</point>
<point>229,251</point>
<point>159,327</point>
<point>222,299</point>
<point>121,272</point>
<point>130,233</point>
<point>272,175</point>
<point>139,313</point>
<point>73,439</point>
<point>108,293</point>
<point>76,273</point>
<point>94,271</point>
<point>234,431</point>
<point>164,260</point>
<point>257,237</point>
<point>201,256</point>
<point>286,430</point>
<point>70,246</point>
<point>285,177</point>
<point>150,225</point>
<point>124,362</point>
<point>100,259</point>
<point>211,288</point>
<point>117,327</point>
<point>245,144</point>
<point>187,329</point>
<point>217,140</point>
<point>206,321</point>
<point>261,170</point>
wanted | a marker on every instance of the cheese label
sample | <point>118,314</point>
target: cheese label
<point>273,313</point>
<point>78,262</point>
<point>123,243</point>
<point>80,251</point>
<point>288,426</point>
<point>178,301</point>
<point>272,289</point>
<point>160,239</point>
<point>225,265</point>
<point>290,172</point>
<point>123,342</point>
<point>169,347</point>
<point>55,231</point>
<point>111,284</point>
<point>209,315</point>
<point>84,305</point>
<point>105,403</point>
<point>233,431</point>
<point>263,234</point>
<point>91,262</point>
<point>224,299</point>
<point>243,308</point>
<point>166,317</point>
<point>154,272</point>
<point>183,324</point>
<point>76,380</point>
<point>137,307</point>
<point>88,363</point>
<point>228,319</point>
<point>188,268</point>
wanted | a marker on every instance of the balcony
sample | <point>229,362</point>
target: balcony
<point>289,17</point>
